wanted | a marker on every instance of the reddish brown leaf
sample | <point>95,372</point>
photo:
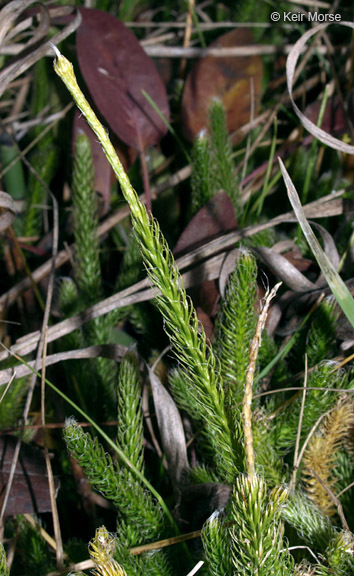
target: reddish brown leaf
<point>217,216</point>
<point>227,78</point>
<point>171,429</point>
<point>334,117</point>
<point>206,321</point>
<point>116,70</point>
<point>295,258</point>
<point>29,493</point>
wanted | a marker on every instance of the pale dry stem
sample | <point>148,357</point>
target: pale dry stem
<point>247,399</point>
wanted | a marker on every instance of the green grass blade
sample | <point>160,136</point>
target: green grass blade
<point>334,281</point>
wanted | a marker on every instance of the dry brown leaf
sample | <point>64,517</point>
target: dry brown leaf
<point>171,429</point>
<point>227,78</point>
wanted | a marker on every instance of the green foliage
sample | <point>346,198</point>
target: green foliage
<point>209,385</point>
<point>203,186</point>
<point>131,266</point>
<point>116,483</point>
<point>213,167</point>
<point>11,407</point>
<point>44,162</point>
<point>221,152</point>
<point>43,159</point>
<point>87,263</point>
<point>311,525</point>
<point>338,557</point>
<point>268,463</point>
<point>317,403</point>
<point>3,567</point>
<point>322,334</point>
<point>34,556</point>
<point>339,554</point>
<point>258,546</point>
<point>247,538</point>
<point>130,416</point>
<point>88,275</point>
<point>152,564</point>
<point>202,386</point>
<point>267,352</point>
<point>235,327</point>
<point>217,543</point>
<point>68,297</point>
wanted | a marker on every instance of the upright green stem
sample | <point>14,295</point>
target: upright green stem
<point>65,71</point>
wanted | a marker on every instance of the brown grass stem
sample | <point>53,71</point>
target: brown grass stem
<point>247,399</point>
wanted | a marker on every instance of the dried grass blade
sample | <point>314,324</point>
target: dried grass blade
<point>7,211</point>
<point>171,429</point>
<point>334,281</point>
<point>291,62</point>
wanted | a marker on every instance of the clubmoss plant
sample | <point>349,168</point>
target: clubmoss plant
<point>115,482</point>
<point>319,456</point>
<point>203,185</point>
<point>215,387</point>
<point>129,413</point>
<point>181,322</point>
<point>87,288</point>
<point>258,546</point>
<point>221,152</point>
<point>217,543</point>
<point>235,327</point>
<point>43,160</point>
<point>87,263</point>
<point>213,165</point>
<point>3,567</point>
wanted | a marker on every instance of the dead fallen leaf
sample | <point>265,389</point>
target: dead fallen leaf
<point>226,78</point>
<point>216,217</point>
<point>198,501</point>
<point>116,70</point>
<point>29,493</point>
<point>171,429</point>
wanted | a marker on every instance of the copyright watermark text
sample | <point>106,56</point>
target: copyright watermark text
<point>304,17</point>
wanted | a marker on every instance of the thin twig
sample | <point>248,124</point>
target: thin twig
<point>13,376</point>
<point>196,568</point>
<point>311,433</point>
<point>187,36</point>
<point>247,399</point>
<point>113,351</point>
<point>298,436</point>
<point>345,489</point>
<point>51,484</point>
<point>235,51</point>
<point>334,499</point>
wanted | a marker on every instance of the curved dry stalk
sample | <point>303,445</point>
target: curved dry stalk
<point>247,399</point>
